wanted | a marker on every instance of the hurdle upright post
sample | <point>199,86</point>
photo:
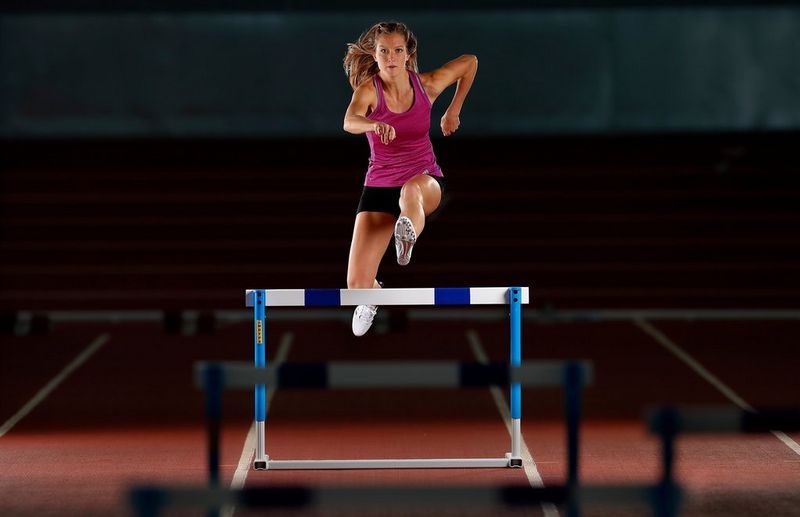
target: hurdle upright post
<point>515,306</point>
<point>259,332</point>
<point>573,383</point>
<point>213,383</point>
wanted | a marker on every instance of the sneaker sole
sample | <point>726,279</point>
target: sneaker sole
<point>404,240</point>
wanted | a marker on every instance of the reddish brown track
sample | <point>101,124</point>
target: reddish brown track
<point>131,415</point>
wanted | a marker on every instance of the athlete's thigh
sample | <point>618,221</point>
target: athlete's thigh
<point>371,235</point>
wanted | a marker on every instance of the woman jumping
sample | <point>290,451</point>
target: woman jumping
<point>392,104</point>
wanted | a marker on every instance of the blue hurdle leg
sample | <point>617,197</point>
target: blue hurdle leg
<point>515,303</point>
<point>260,332</point>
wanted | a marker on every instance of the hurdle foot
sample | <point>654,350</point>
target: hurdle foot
<point>513,461</point>
<point>260,464</point>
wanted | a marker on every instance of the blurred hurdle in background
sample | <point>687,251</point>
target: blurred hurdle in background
<point>514,297</point>
<point>151,501</point>
<point>215,377</point>
<point>663,497</point>
<point>668,423</point>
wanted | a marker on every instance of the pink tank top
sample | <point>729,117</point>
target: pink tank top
<point>411,152</point>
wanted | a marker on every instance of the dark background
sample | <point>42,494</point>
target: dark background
<point>633,162</point>
<point>168,155</point>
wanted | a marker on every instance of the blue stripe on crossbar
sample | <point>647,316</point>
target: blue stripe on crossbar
<point>323,297</point>
<point>451,296</point>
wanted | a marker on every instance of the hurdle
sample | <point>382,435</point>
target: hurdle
<point>669,422</point>
<point>214,377</point>
<point>260,299</point>
<point>151,501</point>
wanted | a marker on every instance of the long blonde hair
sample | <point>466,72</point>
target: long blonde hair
<point>359,61</point>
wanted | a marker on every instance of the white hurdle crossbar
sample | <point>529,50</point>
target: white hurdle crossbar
<point>259,299</point>
<point>410,296</point>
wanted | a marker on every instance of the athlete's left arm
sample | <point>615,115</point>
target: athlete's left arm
<point>460,71</point>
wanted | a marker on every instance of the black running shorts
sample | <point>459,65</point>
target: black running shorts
<point>386,199</point>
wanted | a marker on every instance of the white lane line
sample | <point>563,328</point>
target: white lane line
<point>695,365</point>
<point>249,449</point>
<point>48,388</point>
<point>681,354</point>
<point>531,471</point>
<point>245,460</point>
<point>787,441</point>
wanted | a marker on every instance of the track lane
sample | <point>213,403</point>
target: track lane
<point>130,414</point>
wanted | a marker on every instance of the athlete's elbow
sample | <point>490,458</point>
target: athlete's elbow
<point>471,59</point>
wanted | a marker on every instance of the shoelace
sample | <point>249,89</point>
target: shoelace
<point>362,315</point>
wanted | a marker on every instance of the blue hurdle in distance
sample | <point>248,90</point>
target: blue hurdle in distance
<point>260,299</point>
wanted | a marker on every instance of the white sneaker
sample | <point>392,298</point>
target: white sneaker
<point>404,239</point>
<point>362,318</point>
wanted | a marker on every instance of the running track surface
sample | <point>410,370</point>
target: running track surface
<point>128,414</point>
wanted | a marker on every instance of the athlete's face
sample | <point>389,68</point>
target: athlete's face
<point>391,53</point>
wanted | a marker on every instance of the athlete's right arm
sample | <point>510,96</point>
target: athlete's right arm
<point>355,118</point>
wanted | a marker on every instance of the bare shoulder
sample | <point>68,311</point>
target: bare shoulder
<point>364,100</point>
<point>365,94</point>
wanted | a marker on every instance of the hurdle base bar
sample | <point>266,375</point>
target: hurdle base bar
<point>424,463</point>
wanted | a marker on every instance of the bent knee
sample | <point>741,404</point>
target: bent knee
<point>411,192</point>
<point>356,281</point>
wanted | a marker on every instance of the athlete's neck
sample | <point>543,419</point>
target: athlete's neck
<point>398,84</point>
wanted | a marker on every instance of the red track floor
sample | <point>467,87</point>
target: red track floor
<point>130,415</point>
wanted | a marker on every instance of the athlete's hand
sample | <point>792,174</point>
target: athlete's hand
<point>384,131</point>
<point>450,123</point>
